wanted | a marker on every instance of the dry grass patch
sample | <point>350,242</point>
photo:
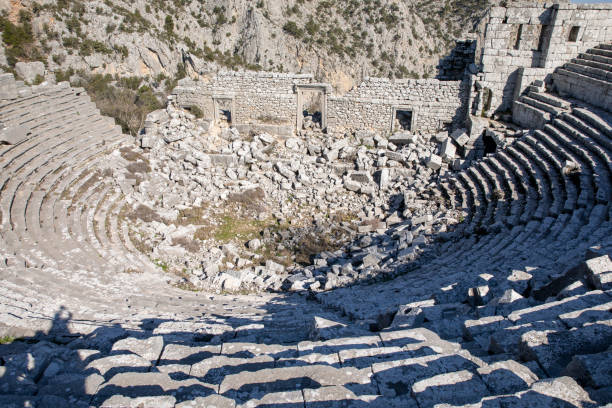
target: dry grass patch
<point>144,213</point>
<point>190,245</point>
<point>250,200</point>
<point>312,244</point>
<point>193,216</point>
<point>130,155</point>
<point>139,167</point>
<point>139,243</point>
<point>280,256</point>
<point>243,229</point>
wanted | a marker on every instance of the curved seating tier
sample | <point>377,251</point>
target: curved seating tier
<point>494,313</point>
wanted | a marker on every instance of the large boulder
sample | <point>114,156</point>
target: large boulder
<point>30,70</point>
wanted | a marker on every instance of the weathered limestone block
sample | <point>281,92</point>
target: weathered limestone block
<point>30,70</point>
<point>434,162</point>
<point>447,150</point>
<point>593,370</point>
<point>599,272</point>
<point>13,135</point>
<point>460,137</point>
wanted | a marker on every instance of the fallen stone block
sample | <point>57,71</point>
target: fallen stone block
<point>362,177</point>
<point>351,185</point>
<point>599,272</point>
<point>13,135</point>
<point>149,348</point>
<point>402,138</point>
<point>554,349</point>
<point>507,377</point>
<point>434,162</point>
<point>460,137</point>
<point>223,160</point>
<point>457,388</point>
<point>592,370</point>
<point>447,150</point>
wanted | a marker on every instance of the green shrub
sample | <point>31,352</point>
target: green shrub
<point>74,25</point>
<point>90,46</point>
<point>39,79</point>
<point>19,39</point>
<point>132,83</point>
<point>127,106</point>
<point>196,111</point>
<point>71,42</point>
<point>292,29</point>
<point>61,76</point>
<point>122,50</point>
<point>169,25</point>
<point>311,27</point>
<point>59,58</point>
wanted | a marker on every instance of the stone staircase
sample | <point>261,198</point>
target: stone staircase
<point>588,77</point>
<point>512,308</point>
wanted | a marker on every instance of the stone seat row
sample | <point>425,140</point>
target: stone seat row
<point>39,179</point>
<point>588,77</point>
<point>535,171</point>
<point>408,364</point>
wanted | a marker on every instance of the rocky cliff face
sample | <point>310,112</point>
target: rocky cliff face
<point>340,41</point>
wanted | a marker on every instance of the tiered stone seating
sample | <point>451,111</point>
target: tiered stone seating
<point>588,77</point>
<point>511,308</point>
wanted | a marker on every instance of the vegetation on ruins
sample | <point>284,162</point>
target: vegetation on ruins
<point>19,39</point>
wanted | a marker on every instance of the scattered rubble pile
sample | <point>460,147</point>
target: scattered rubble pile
<point>248,212</point>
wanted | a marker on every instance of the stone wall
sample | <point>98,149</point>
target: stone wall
<point>271,98</point>
<point>535,35</point>
<point>255,97</point>
<point>435,104</point>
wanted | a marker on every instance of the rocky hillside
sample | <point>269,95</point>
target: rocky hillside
<point>340,41</point>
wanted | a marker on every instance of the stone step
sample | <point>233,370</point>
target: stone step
<point>553,189</point>
<point>516,193</point>
<point>594,64</point>
<point>44,113</point>
<point>11,105</point>
<point>561,144</point>
<point>596,58</point>
<point>585,128</point>
<point>541,105</point>
<point>481,201</point>
<point>55,135</point>
<point>499,193</point>
<point>522,178</point>
<point>529,116</point>
<point>600,51</point>
<point>42,152</point>
<point>594,120</point>
<point>599,158</point>
<point>550,100</point>
<point>562,186</point>
<point>581,77</point>
<point>589,71</point>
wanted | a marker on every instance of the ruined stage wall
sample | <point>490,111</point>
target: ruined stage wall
<point>255,97</point>
<point>435,104</point>
<point>271,98</point>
